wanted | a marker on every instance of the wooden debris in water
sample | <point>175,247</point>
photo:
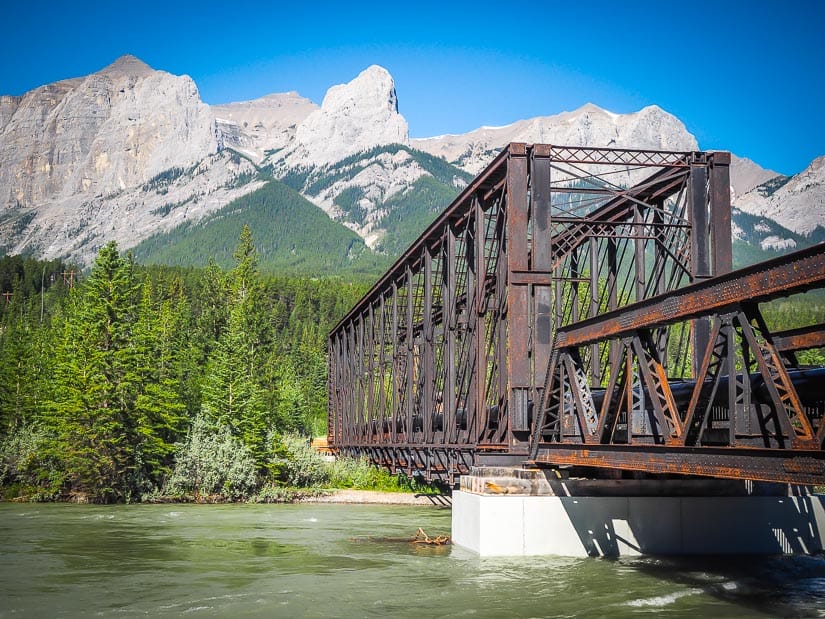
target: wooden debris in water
<point>419,538</point>
<point>423,538</point>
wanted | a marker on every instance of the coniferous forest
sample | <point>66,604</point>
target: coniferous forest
<point>136,382</point>
<point>132,383</point>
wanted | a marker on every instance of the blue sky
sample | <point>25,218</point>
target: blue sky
<point>743,76</point>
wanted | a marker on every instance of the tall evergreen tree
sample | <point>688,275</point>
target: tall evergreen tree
<point>232,396</point>
<point>113,419</point>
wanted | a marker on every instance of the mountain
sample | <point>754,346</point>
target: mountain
<point>387,194</point>
<point>651,128</point>
<point>261,127</point>
<point>117,155</point>
<point>353,117</point>
<point>745,175</point>
<point>795,202</point>
<point>291,235</point>
<point>132,154</point>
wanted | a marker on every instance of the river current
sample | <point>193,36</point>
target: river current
<point>313,560</point>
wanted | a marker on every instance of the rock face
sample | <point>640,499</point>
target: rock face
<point>262,126</point>
<point>77,158</point>
<point>796,202</point>
<point>353,117</point>
<point>109,131</point>
<point>745,175</point>
<point>651,128</point>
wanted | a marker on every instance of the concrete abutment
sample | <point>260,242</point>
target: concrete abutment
<point>517,512</point>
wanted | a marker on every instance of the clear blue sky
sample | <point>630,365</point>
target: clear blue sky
<point>744,76</point>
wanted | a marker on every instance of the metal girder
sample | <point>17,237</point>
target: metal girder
<point>803,338</point>
<point>775,465</point>
<point>783,276</point>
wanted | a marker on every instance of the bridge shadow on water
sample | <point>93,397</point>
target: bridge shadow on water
<point>779,565</point>
<point>778,586</point>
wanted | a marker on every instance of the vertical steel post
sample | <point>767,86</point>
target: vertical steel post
<point>427,353</point>
<point>595,357</point>
<point>410,352</point>
<point>541,262</point>
<point>449,321</point>
<point>515,348</point>
<point>612,292</point>
<point>699,250</point>
<point>480,330</point>
<point>396,376</point>
<point>720,213</point>
<point>471,310</point>
<point>639,251</point>
<point>370,374</point>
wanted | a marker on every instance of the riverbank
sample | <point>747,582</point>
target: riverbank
<point>379,498</point>
<point>287,495</point>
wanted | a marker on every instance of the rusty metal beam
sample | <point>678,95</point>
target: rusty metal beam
<point>758,283</point>
<point>776,465</point>
<point>803,338</point>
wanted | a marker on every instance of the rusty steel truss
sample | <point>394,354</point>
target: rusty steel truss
<point>576,307</point>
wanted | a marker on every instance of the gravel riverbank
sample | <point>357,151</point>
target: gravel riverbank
<point>382,498</point>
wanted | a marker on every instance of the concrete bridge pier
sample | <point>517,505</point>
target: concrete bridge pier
<point>516,512</point>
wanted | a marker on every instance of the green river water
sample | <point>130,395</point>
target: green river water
<point>313,560</point>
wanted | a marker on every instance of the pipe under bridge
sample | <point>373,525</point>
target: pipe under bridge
<point>576,307</point>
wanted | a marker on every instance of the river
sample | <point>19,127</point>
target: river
<point>325,561</point>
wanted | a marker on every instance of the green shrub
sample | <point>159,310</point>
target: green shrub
<point>212,461</point>
<point>299,465</point>
<point>272,493</point>
<point>24,469</point>
<point>359,474</point>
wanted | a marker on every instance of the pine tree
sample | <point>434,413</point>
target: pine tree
<point>232,396</point>
<point>158,409</point>
<point>113,415</point>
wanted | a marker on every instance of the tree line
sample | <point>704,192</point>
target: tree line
<point>139,381</point>
<point>154,382</point>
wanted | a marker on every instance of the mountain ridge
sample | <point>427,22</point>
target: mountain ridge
<point>129,152</point>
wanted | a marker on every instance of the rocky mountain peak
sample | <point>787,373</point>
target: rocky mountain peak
<point>795,202</point>
<point>64,147</point>
<point>353,117</point>
<point>127,65</point>
<point>373,88</point>
<point>651,127</point>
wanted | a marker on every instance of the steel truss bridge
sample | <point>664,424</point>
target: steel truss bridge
<point>576,307</point>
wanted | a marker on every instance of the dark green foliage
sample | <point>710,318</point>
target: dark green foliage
<point>294,178</point>
<point>294,236</point>
<point>115,411</point>
<point>167,208</point>
<point>411,212</point>
<point>97,400</point>
<point>161,181</point>
<point>25,275</point>
<point>348,200</point>
<point>769,187</point>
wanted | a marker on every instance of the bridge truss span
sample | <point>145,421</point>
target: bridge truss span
<point>506,333</point>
